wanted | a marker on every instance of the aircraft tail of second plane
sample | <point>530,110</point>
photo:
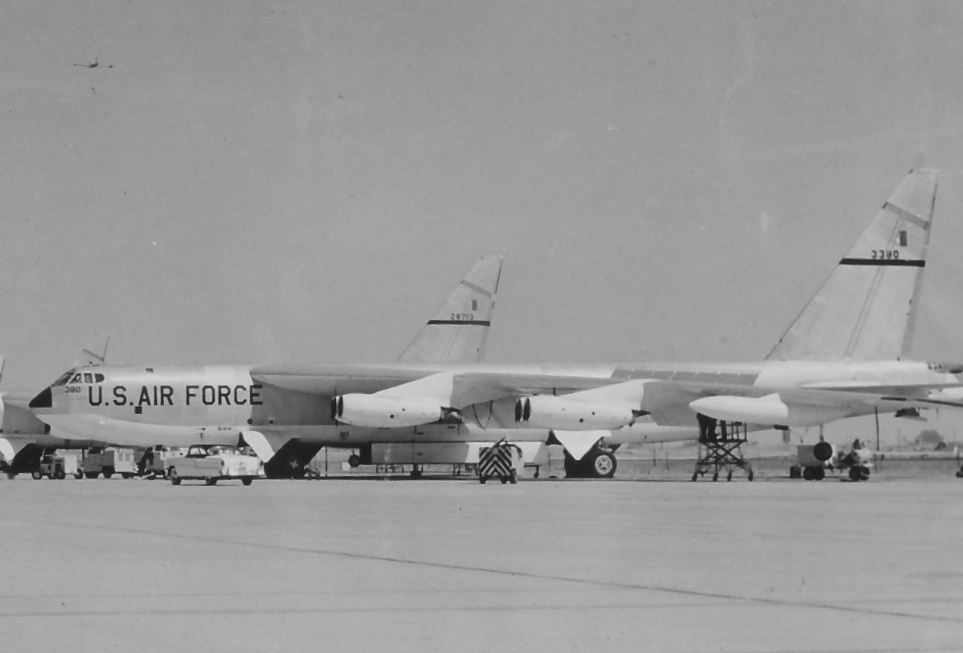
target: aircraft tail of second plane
<point>458,331</point>
<point>866,309</point>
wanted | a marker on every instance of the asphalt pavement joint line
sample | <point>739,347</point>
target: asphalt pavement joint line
<point>524,574</point>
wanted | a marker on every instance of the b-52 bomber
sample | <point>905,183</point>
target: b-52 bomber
<point>841,357</point>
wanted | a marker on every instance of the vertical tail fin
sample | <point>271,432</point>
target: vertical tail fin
<point>458,331</point>
<point>867,308</point>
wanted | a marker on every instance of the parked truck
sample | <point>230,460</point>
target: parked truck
<point>109,461</point>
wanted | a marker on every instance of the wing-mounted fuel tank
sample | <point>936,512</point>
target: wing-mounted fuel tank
<point>770,409</point>
<point>608,407</point>
<point>380,412</point>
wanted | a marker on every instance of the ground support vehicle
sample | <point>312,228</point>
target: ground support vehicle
<point>154,462</point>
<point>56,466</point>
<point>213,463</point>
<point>109,461</point>
<point>501,461</point>
<point>813,461</point>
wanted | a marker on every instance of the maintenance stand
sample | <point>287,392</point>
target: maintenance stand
<point>720,448</point>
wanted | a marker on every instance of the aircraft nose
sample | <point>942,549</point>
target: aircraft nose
<point>43,400</point>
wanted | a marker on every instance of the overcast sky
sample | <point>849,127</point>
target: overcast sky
<point>269,181</point>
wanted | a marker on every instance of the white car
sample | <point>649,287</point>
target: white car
<point>212,463</point>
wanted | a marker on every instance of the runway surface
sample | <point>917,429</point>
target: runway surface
<point>446,565</point>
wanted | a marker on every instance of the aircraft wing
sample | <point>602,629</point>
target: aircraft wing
<point>468,387</point>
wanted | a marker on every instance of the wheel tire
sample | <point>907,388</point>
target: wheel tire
<point>601,464</point>
<point>90,474</point>
<point>60,475</point>
<point>504,480</point>
<point>247,481</point>
<point>78,475</point>
<point>864,473</point>
<point>807,474</point>
<point>819,474</point>
<point>751,475</point>
<point>210,481</point>
<point>354,461</point>
<point>482,479</point>
<point>513,479</point>
<point>695,476</point>
<point>854,473</point>
<point>127,475</point>
<point>715,477</point>
<point>36,474</point>
<point>174,476</point>
<point>107,474</point>
<point>729,476</point>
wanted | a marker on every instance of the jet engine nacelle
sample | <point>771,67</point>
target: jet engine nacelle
<point>551,412</point>
<point>377,412</point>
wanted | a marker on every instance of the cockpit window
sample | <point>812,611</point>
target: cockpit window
<point>88,377</point>
<point>62,380</point>
<point>99,378</point>
<point>77,378</point>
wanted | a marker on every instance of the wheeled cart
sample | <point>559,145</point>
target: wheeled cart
<point>502,461</point>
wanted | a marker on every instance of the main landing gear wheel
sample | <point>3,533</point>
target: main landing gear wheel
<point>599,464</point>
<point>247,481</point>
<point>354,460</point>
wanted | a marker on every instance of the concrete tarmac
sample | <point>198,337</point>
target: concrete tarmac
<point>452,565</point>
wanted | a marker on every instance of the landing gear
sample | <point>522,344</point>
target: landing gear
<point>859,473</point>
<point>597,463</point>
<point>354,461</point>
<point>601,463</point>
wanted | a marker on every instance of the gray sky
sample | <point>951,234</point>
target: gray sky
<point>269,181</point>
